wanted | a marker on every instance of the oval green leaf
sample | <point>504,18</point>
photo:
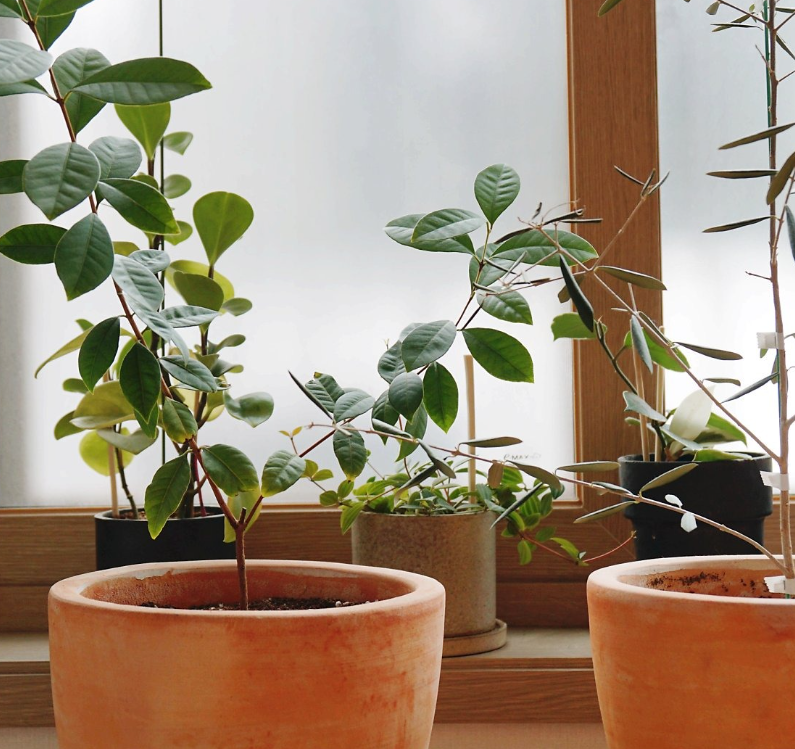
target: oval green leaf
<point>118,157</point>
<point>230,469</point>
<point>221,218</point>
<point>84,256</point>
<point>253,408</point>
<point>33,244</point>
<point>281,471</point>
<point>350,452</point>
<point>440,396</point>
<point>141,205</point>
<point>98,351</point>
<point>147,124</point>
<point>445,224</point>
<point>499,354</point>
<point>140,378</point>
<point>427,343</point>
<point>496,187</point>
<point>405,394</point>
<point>165,493</point>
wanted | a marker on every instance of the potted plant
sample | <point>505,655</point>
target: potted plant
<point>136,625</point>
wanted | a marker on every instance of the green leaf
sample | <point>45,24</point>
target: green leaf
<point>569,325</point>
<point>281,471</point>
<point>604,512</point>
<point>253,408</point>
<point>151,80</point>
<point>390,429</point>
<point>390,365</point>
<point>65,428</point>
<point>134,443</point>
<point>427,343</point>
<point>187,316</point>
<point>178,142</point>
<point>534,246</point>
<point>98,351</point>
<point>249,500</point>
<point>581,303</point>
<point>762,135</point>
<point>139,204</point>
<point>605,8</point>
<point>103,408</point>
<point>74,385</point>
<point>383,412</point>
<point>190,372</point>
<point>140,378</point>
<point>406,393</point>
<point>742,173</point>
<point>790,229</point>
<point>50,28</point>
<point>33,244</point>
<point>592,466</point>
<point>67,348</point>
<point>198,290</point>
<point>638,405</point>
<point>236,339</point>
<point>349,514</point>
<point>221,218</point>
<point>118,157</point>
<point>735,225</point>
<point>158,324</point>
<point>10,9</point>
<point>70,70</point>
<point>667,478</point>
<point>141,287</point>
<point>640,344</point>
<point>230,469</point>
<point>147,124</point>
<point>499,354</point>
<point>60,177</point>
<point>84,256</point>
<point>319,402</point>
<point>165,493</point>
<point>634,278</point>
<point>351,404</point>
<point>401,231</point>
<point>510,306</point>
<point>175,186</point>
<point>416,427</point>
<point>351,453</point>
<point>23,87</point>
<point>714,456</point>
<point>153,260</point>
<point>496,187</point>
<point>754,386</point>
<point>95,454</point>
<point>445,224</point>
<point>178,421</point>
<point>525,549</point>
<point>148,423</point>
<point>719,429</point>
<point>440,396</point>
<point>712,353</point>
<point>237,306</point>
<point>185,230</point>
<point>325,390</point>
<point>11,176</point>
<point>125,248</point>
<point>20,62</point>
<point>779,181</point>
<point>493,442</point>
<point>59,7</point>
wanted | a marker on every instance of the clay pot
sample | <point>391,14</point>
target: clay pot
<point>728,491</point>
<point>714,669</point>
<point>123,541</point>
<point>127,676</point>
<point>457,550</point>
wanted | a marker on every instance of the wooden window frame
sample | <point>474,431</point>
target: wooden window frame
<point>612,79</point>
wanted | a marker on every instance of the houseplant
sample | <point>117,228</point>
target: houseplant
<point>123,637</point>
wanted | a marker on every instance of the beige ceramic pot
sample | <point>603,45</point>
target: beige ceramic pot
<point>457,550</point>
<point>130,677</point>
<point>714,669</point>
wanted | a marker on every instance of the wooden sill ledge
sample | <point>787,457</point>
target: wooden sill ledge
<point>540,676</point>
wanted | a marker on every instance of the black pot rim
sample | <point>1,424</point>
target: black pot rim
<point>637,458</point>
<point>107,515</point>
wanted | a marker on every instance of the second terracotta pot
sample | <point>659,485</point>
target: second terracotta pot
<point>457,550</point>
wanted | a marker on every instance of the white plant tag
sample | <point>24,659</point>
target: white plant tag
<point>769,341</point>
<point>780,584</point>
<point>778,481</point>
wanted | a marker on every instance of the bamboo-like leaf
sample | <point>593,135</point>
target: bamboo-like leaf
<point>712,353</point>
<point>603,513</point>
<point>633,277</point>
<point>581,303</point>
<point>607,6</point>
<point>742,173</point>
<point>493,442</point>
<point>778,182</point>
<point>762,135</point>
<point>790,229</point>
<point>593,466</point>
<point>640,344</point>
<point>735,225</point>
<point>550,479</point>
<point>668,477</point>
<point>638,405</point>
<point>750,389</point>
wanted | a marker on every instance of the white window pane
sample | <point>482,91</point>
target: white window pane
<point>331,119</point>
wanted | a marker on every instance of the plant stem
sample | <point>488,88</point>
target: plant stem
<point>240,552</point>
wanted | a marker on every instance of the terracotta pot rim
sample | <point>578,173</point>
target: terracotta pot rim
<point>618,579</point>
<point>421,589</point>
<point>458,515</point>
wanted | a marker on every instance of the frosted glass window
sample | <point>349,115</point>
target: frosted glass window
<point>331,119</point>
<point>712,91</point>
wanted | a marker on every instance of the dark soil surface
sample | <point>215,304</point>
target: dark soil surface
<point>269,604</point>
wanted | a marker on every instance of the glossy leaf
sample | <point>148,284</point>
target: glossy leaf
<point>84,256</point>
<point>147,124</point>
<point>569,325</point>
<point>98,351</point>
<point>544,476</point>
<point>638,405</point>
<point>11,176</point>
<point>185,231</point>
<point>134,443</point>
<point>640,280</point>
<point>20,62</point>
<point>390,365</point>
<point>118,157</point>
<point>190,372</point>
<point>178,142</point>
<point>281,471</point>
<point>175,186</point>
<point>59,7</point>
<point>178,421</point>
<point>141,287</point>
<point>140,378</point>
<point>581,303</point>
<point>60,177</point>
<point>440,396</point>
<point>319,402</point>
<point>640,344</point>
<point>510,306</point>
<point>97,454</point>
<point>23,87</point>
<point>198,290</point>
<point>230,469</point>
<point>405,393</point>
<point>237,306</point>
<point>253,408</point>
<point>534,246</point>
<point>33,244</point>
<point>103,408</point>
<point>496,187</point>
<point>668,477</point>
<point>401,230</point>
<point>67,348</point>
<point>153,260</point>
<point>70,70</point>
<point>141,205</point>
<point>50,28</point>
<point>152,80</point>
<point>65,428</point>
<point>350,452</point>
<point>427,343</point>
<point>499,354</point>
<point>164,494</point>
<point>444,224</point>
<point>221,218</point>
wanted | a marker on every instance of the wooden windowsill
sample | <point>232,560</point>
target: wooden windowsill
<point>540,676</point>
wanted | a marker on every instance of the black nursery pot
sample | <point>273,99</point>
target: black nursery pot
<point>121,541</point>
<point>730,492</point>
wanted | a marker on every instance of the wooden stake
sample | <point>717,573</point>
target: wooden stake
<point>469,376</point>
<point>114,491</point>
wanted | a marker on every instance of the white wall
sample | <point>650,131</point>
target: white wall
<point>331,118</point>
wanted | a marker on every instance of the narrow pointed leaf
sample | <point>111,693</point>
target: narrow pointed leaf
<point>790,229</point>
<point>779,181</point>
<point>633,277</point>
<point>581,303</point>
<point>762,135</point>
<point>750,389</point>
<point>544,476</point>
<point>638,405</point>
<point>743,173</point>
<point>593,466</point>
<point>493,442</point>
<point>712,353</point>
<point>98,351</point>
<point>606,7</point>
<point>327,407</point>
<point>668,477</point>
<point>640,344</point>
<point>165,493</point>
<point>603,513</point>
<point>735,225</point>
<point>67,348</point>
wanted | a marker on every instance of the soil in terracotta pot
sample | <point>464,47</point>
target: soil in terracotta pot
<point>738,583</point>
<point>269,604</point>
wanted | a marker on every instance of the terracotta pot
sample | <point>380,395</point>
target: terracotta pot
<point>713,669</point>
<point>129,677</point>
<point>123,541</point>
<point>728,491</point>
<point>457,550</point>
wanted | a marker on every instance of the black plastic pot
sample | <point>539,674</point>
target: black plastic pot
<point>730,492</point>
<point>121,541</point>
